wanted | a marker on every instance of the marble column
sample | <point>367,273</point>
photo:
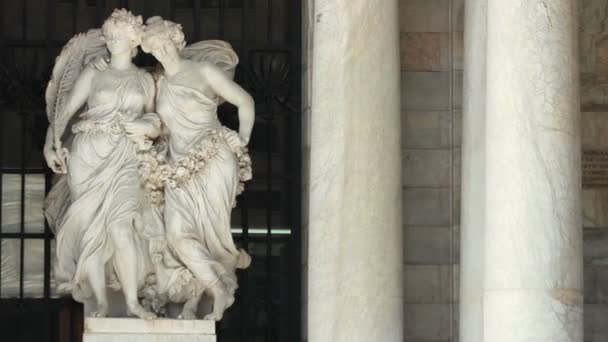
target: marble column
<point>533,256</point>
<point>473,172</point>
<point>355,256</point>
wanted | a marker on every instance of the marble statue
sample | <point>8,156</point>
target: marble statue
<point>96,239</point>
<point>206,162</point>
<point>148,176</point>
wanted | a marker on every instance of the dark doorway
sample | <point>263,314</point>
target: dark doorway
<point>267,36</point>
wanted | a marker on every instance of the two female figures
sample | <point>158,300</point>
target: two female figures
<point>108,231</point>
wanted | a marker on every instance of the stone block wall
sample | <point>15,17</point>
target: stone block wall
<point>431,73</point>
<point>593,17</point>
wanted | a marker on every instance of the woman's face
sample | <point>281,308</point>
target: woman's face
<point>161,48</point>
<point>119,42</point>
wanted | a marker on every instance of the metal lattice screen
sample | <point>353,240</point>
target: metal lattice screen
<point>266,35</point>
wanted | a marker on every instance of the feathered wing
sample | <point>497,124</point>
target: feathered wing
<point>75,55</point>
<point>217,52</point>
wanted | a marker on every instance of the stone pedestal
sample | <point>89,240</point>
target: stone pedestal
<point>138,330</point>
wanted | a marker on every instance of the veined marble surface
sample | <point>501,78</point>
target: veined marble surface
<point>355,256</point>
<point>533,273</point>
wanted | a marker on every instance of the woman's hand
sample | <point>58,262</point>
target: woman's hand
<point>236,140</point>
<point>100,64</point>
<point>56,159</point>
<point>141,128</point>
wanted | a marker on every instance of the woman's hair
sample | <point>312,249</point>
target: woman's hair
<point>124,21</point>
<point>158,27</point>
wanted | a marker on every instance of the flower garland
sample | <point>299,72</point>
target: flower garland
<point>158,174</point>
<point>112,125</point>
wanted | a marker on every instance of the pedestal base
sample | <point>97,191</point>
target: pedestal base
<point>139,330</point>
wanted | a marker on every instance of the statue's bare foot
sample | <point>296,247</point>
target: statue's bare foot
<point>190,308</point>
<point>229,301</point>
<point>187,314</point>
<point>102,311</point>
<point>139,311</point>
<point>214,316</point>
<point>221,301</point>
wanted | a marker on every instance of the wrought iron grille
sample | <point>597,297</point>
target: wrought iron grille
<point>266,35</point>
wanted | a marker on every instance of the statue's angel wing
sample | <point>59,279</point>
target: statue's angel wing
<point>217,52</point>
<point>75,55</point>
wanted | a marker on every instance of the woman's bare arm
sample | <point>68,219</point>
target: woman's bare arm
<point>233,93</point>
<point>77,98</point>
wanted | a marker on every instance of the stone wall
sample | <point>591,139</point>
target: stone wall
<point>594,106</point>
<point>431,72</point>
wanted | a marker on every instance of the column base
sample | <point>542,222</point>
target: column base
<point>139,330</point>
<point>543,315</point>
